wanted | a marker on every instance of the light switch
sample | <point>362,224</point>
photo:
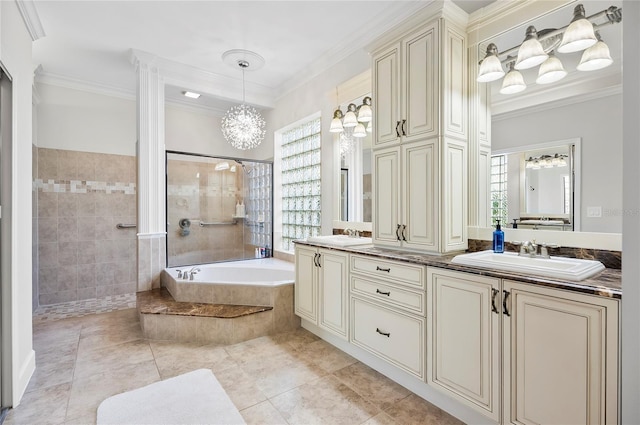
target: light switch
<point>594,212</point>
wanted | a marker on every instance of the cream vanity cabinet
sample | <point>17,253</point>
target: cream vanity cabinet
<point>321,288</point>
<point>420,140</point>
<point>554,354</point>
<point>388,311</point>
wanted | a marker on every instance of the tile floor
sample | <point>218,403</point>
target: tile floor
<point>287,378</point>
<point>50,313</point>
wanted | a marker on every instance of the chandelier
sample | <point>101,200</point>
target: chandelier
<point>243,126</point>
<point>539,47</point>
<point>350,125</point>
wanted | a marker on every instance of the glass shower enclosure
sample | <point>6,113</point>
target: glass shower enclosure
<point>218,209</point>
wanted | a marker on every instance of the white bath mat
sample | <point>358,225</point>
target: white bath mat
<point>193,398</point>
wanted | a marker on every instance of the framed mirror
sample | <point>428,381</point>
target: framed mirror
<point>352,159</point>
<point>537,186</point>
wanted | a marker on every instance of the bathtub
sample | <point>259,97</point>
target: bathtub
<point>258,272</point>
<point>257,282</point>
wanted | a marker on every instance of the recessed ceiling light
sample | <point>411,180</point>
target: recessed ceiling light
<point>191,94</point>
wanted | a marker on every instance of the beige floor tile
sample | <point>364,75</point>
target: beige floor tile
<point>381,419</point>
<point>42,407</point>
<point>88,392</point>
<point>113,334</point>
<point>174,358</point>
<point>324,401</point>
<point>51,374</point>
<point>326,356</point>
<point>280,373</point>
<point>372,385</point>
<point>240,387</point>
<point>296,339</point>
<point>53,353</point>
<point>262,414</point>
<point>112,357</point>
<point>83,420</point>
<point>413,410</point>
<point>265,346</point>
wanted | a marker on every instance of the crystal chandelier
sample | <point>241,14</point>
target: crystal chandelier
<point>351,125</point>
<point>242,126</point>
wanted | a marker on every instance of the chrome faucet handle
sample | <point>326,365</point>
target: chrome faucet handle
<point>193,273</point>
<point>544,249</point>
<point>179,274</point>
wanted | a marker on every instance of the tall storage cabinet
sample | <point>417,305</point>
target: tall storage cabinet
<point>420,140</point>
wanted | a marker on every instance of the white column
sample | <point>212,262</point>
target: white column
<point>151,173</point>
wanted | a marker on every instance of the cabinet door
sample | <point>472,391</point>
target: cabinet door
<point>386,93</point>
<point>419,76</point>
<point>463,338</point>
<point>386,196</point>
<point>334,295</point>
<point>420,195</point>
<point>306,284</point>
<point>561,350</point>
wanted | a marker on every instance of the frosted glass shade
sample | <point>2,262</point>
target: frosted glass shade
<point>490,68</point>
<point>369,127</point>
<point>579,35</point>
<point>595,57</point>
<point>551,71</point>
<point>530,53</point>
<point>513,82</point>
<point>336,126</point>
<point>359,131</point>
<point>365,114</point>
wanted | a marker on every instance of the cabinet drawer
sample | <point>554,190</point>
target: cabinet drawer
<point>396,337</point>
<point>412,301</point>
<point>402,273</point>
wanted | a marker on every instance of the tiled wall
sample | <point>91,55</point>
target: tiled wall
<point>81,196</point>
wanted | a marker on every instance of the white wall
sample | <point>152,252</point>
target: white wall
<point>599,124</point>
<point>319,94</point>
<point>78,120</point>
<point>15,55</point>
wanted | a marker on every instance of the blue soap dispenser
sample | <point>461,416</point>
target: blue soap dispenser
<point>498,239</point>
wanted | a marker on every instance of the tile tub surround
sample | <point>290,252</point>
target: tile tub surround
<point>163,318</point>
<point>271,380</point>
<point>81,196</point>
<point>607,283</point>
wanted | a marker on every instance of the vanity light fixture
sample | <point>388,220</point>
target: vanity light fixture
<point>221,166</point>
<point>546,161</point>
<point>538,48</point>
<point>191,94</point>
<point>243,126</point>
<point>352,124</point>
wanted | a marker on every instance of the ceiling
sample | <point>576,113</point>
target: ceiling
<point>88,43</point>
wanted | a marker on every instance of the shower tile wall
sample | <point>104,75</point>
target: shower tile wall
<point>81,196</point>
<point>196,191</point>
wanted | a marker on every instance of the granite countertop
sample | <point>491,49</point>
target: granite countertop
<point>607,283</point>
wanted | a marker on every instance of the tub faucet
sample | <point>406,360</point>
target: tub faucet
<point>179,274</point>
<point>192,272</point>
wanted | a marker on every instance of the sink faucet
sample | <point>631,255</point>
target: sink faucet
<point>530,248</point>
<point>192,272</point>
<point>353,233</point>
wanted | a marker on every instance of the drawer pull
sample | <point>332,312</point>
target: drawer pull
<point>387,334</point>
<point>383,293</point>
<point>383,270</point>
<point>494,292</point>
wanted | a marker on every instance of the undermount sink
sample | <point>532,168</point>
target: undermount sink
<point>573,269</point>
<point>340,240</point>
<point>542,222</point>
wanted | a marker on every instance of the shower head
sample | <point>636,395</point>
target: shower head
<point>244,167</point>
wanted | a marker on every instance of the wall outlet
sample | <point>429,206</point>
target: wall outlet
<point>594,212</point>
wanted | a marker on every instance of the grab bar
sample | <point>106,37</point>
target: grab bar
<point>125,226</point>
<point>218,223</point>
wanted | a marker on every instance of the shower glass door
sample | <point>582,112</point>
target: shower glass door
<point>218,209</point>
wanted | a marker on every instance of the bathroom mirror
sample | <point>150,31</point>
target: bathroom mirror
<point>352,169</point>
<point>537,186</point>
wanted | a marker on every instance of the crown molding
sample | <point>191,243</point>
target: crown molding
<point>199,109</point>
<point>201,81</point>
<point>31,18</point>
<point>388,19</point>
<point>83,85</point>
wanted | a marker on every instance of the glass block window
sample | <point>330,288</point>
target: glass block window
<point>499,204</point>
<point>300,176</point>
